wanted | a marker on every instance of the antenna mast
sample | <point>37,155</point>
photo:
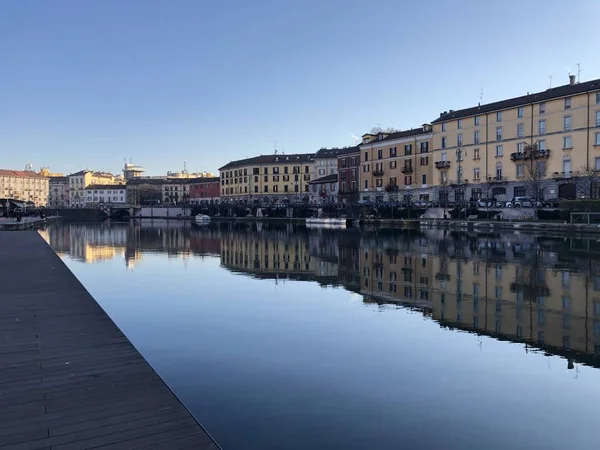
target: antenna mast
<point>579,70</point>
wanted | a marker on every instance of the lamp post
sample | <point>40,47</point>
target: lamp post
<point>459,153</point>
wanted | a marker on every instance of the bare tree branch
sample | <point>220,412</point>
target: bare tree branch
<point>535,174</point>
<point>588,183</point>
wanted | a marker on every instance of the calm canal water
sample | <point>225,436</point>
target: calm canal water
<point>278,337</point>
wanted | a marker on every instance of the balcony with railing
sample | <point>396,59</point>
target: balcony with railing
<point>406,169</point>
<point>378,173</point>
<point>442,165</point>
<point>497,180</point>
<point>557,176</point>
<point>530,154</point>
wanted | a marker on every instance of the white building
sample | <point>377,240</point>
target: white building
<point>96,194</point>
<point>79,181</point>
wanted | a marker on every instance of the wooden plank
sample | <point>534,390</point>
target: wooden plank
<point>69,378</point>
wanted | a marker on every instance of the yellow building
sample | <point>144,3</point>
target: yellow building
<point>24,185</point>
<point>397,166</point>
<point>80,180</point>
<point>267,177</point>
<point>492,149</point>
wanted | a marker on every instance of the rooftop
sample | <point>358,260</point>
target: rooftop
<point>548,94</point>
<point>57,180</point>
<point>326,179</point>
<point>19,173</point>
<point>105,186</point>
<point>383,136</point>
<point>271,159</point>
<point>333,152</point>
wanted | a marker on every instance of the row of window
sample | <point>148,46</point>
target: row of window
<point>567,126</point>
<point>101,199</point>
<point>275,188</point>
<point>520,147</point>
<point>520,113</point>
<point>256,171</point>
<point>275,179</point>
<point>408,148</point>
<point>424,161</point>
<point>393,181</point>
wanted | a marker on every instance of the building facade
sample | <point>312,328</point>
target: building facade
<point>268,178</point>
<point>205,190</point>
<point>25,186</point>
<point>80,180</point>
<point>500,149</point>
<point>324,190</point>
<point>96,194</point>
<point>348,160</point>
<point>144,191</point>
<point>397,166</point>
<point>58,194</point>
<point>325,162</point>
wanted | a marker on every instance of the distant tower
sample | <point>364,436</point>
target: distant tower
<point>130,171</point>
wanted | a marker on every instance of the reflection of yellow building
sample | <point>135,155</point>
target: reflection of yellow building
<point>390,275</point>
<point>518,301</point>
<point>284,254</point>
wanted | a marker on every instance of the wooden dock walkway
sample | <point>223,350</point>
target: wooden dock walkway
<point>69,378</point>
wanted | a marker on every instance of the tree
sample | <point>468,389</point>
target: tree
<point>444,192</point>
<point>379,129</point>
<point>588,182</point>
<point>535,174</point>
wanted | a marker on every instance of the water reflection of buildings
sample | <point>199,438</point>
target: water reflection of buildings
<point>95,242</point>
<point>542,292</point>
<point>278,253</point>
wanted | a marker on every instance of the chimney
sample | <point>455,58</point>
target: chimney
<point>571,80</point>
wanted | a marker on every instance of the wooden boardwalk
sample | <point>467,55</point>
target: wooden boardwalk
<point>69,378</point>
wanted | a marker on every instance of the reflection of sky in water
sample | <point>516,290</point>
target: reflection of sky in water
<point>290,364</point>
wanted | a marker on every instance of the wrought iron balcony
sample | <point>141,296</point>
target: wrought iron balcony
<point>563,175</point>
<point>530,154</point>
<point>493,180</point>
<point>442,165</point>
<point>406,169</point>
<point>378,173</point>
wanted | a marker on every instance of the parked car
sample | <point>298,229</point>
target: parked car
<point>551,203</point>
<point>520,202</point>
<point>485,202</point>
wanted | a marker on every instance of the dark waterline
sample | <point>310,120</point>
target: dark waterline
<point>278,337</point>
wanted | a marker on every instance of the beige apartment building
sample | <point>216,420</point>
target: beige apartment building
<point>491,149</point>
<point>25,186</point>
<point>397,166</point>
<point>58,195</point>
<point>267,177</point>
<point>80,180</point>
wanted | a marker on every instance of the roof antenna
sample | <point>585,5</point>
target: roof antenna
<point>550,76</point>
<point>481,97</point>
<point>275,147</point>
<point>579,70</point>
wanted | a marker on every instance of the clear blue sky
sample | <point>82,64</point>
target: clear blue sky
<point>88,83</point>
